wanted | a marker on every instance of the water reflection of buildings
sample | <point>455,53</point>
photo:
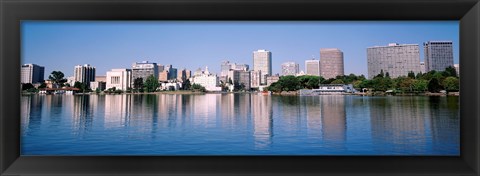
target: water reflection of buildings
<point>334,124</point>
<point>313,112</point>
<point>205,109</point>
<point>118,109</point>
<point>31,112</point>
<point>83,113</point>
<point>397,124</point>
<point>262,120</point>
<point>442,120</point>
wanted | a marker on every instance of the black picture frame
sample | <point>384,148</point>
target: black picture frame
<point>13,11</point>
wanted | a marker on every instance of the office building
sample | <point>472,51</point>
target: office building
<point>240,78</point>
<point>32,73</point>
<point>290,68</point>
<point>396,59</point>
<point>163,76</point>
<point>438,55</point>
<point>272,79</point>
<point>207,80</point>
<point>262,61</point>
<point>144,70</point>
<point>331,63</point>
<point>182,75</point>
<point>100,83</point>
<point>84,74</point>
<point>121,79</point>
<point>255,78</point>
<point>312,67</point>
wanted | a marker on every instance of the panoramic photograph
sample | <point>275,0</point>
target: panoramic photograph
<point>240,88</point>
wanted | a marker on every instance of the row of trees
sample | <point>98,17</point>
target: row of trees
<point>433,81</point>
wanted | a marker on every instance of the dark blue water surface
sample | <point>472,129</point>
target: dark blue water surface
<point>239,124</point>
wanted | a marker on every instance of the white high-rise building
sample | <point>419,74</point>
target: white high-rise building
<point>396,59</point>
<point>207,80</point>
<point>32,73</point>
<point>438,55</point>
<point>121,79</point>
<point>84,74</point>
<point>290,68</point>
<point>312,67</point>
<point>331,63</point>
<point>262,61</point>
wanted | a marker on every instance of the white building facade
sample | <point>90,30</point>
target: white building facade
<point>262,61</point>
<point>312,67</point>
<point>207,80</point>
<point>290,68</point>
<point>396,59</point>
<point>121,79</point>
<point>32,73</point>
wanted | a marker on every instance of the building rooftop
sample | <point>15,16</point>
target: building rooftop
<point>393,45</point>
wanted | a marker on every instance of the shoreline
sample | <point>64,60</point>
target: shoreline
<point>289,93</point>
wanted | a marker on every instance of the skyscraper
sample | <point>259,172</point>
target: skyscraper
<point>312,67</point>
<point>438,55</point>
<point>32,73</point>
<point>144,70</point>
<point>290,68</point>
<point>262,61</point>
<point>397,60</point>
<point>84,74</point>
<point>331,63</point>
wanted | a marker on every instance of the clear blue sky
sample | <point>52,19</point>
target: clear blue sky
<point>60,45</point>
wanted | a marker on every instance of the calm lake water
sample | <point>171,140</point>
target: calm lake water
<point>239,124</point>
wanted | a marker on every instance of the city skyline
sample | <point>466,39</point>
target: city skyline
<point>193,45</point>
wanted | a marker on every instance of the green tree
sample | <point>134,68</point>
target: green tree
<point>404,83</point>
<point>382,83</point>
<point>27,86</point>
<point>187,85</point>
<point>381,74</point>
<point>43,85</point>
<point>420,85</point>
<point>81,86</point>
<point>419,75</point>
<point>289,83</point>
<point>434,85</point>
<point>411,74</point>
<point>337,81</point>
<point>138,84</point>
<point>387,75</point>
<point>451,84</point>
<point>451,71</point>
<point>313,82</point>
<point>151,84</point>
<point>56,77</point>
<point>275,87</point>
<point>198,87</point>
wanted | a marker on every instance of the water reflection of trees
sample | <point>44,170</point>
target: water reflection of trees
<point>398,125</point>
